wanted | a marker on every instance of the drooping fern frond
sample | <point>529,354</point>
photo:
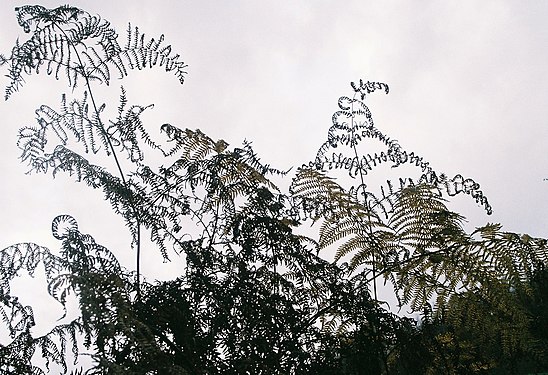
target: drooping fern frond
<point>432,241</point>
<point>353,125</point>
<point>423,250</point>
<point>422,220</point>
<point>140,53</point>
<point>37,17</point>
<point>70,42</point>
<point>514,257</point>
<point>442,259</point>
<point>73,120</point>
<point>74,125</point>
<point>56,35</point>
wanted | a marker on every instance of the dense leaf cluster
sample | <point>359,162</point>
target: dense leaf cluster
<point>256,295</point>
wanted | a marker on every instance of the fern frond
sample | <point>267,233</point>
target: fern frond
<point>444,260</point>
<point>352,125</point>
<point>73,119</point>
<point>38,17</point>
<point>193,145</point>
<point>56,35</point>
<point>20,319</point>
<point>318,193</point>
<point>140,54</point>
<point>128,130</point>
<point>69,41</point>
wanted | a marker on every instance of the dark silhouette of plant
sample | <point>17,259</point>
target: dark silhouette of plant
<point>255,296</point>
<point>68,42</point>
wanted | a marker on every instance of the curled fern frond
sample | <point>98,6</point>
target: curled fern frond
<point>417,244</point>
<point>62,225</point>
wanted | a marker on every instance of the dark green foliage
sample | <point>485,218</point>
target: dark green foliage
<point>481,334</point>
<point>255,296</point>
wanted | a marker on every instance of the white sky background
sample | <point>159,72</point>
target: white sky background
<point>468,81</point>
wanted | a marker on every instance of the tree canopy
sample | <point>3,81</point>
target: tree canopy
<point>258,293</point>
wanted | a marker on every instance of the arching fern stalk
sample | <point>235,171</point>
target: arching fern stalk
<point>69,43</point>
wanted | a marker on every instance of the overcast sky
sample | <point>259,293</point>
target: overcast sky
<point>468,79</point>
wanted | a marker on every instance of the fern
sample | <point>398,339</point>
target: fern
<point>352,125</point>
<point>16,356</point>
<point>70,42</point>
<point>405,234</point>
<point>253,295</point>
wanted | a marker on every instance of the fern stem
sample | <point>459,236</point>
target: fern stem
<point>117,162</point>
<point>362,180</point>
<point>369,228</point>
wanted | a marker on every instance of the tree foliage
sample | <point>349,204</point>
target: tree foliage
<point>256,295</point>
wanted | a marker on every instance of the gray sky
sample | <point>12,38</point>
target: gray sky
<point>468,92</point>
